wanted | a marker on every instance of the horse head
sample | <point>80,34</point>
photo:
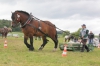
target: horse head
<point>15,19</point>
<point>19,17</point>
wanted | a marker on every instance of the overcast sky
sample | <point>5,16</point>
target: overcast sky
<point>65,14</point>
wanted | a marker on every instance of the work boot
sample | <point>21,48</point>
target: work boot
<point>87,48</point>
<point>82,50</point>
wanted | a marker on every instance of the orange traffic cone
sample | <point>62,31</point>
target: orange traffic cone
<point>5,43</point>
<point>64,51</point>
<point>98,45</point>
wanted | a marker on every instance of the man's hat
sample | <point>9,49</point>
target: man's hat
<point>83,25</point>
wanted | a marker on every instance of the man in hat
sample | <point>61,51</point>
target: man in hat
<point>84,37</point>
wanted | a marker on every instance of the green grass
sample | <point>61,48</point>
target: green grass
<point>16,54</point>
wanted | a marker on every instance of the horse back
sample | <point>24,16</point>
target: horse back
<point>3,30</point>
<point>48,27</point>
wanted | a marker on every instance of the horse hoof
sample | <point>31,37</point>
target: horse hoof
<point>31,49</point>
<point>40,48</point>
<point>55,49</point>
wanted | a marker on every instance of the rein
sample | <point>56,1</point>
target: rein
<point>49,24</point>
<point>38,30</point>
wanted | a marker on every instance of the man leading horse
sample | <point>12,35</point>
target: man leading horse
<point>84,36</point>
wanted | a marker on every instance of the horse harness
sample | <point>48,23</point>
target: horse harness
<point>28,23</point>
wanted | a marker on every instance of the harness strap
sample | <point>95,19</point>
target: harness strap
<point>39,25</point>
<point>50,25</point>
<point>38,22</point>
<point>28,21</point>
<point>38,30</point>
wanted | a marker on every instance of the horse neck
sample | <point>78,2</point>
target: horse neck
<point>24,18</point>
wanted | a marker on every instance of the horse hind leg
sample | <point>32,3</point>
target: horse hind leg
<point>56,44</point>
<point>55,40</point>
<point>44,42</point>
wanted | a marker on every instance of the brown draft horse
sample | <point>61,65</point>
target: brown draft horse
<point>4,32</point>
<point>32,27</point>
<point>9,29</point>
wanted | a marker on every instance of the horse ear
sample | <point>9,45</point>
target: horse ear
<point>18,15</point>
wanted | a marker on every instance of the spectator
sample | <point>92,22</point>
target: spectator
<point>99,38</point>
<point>66,38</point>
<point>84,37</point>
<point>91,36</point>
<point>75,39</point>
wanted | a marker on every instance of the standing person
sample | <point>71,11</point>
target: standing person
<point>99,42</point>
<point>67,38</point>
<point>91,37</point>
<point>84,37</point>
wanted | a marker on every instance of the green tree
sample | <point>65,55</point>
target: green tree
<point>7,23</point>
<point>76,33</point>
<point>66,33</point>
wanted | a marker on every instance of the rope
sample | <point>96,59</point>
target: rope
<point>49,24</point>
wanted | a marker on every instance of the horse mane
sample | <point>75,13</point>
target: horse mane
<point>23,12</point>
<point>20,12</point>
<point>26,13</point>
<point>13,16</point>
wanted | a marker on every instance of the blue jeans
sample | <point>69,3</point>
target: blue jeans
<point>90,41</point>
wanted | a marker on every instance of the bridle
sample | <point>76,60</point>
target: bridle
<point>15,19</point>
<point>27,21</point>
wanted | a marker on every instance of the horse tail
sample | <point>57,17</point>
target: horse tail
<point>56,36</point>
<point>56,40</point>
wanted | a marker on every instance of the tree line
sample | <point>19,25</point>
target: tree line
<point>7,23</point>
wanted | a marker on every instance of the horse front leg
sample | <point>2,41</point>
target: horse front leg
<point>2,35</point>
<point>31,44</point>
<point>6,35</point>
<point>25,41</point>
<point>44,42</point>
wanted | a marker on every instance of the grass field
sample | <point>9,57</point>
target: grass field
<point>16,54</point>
